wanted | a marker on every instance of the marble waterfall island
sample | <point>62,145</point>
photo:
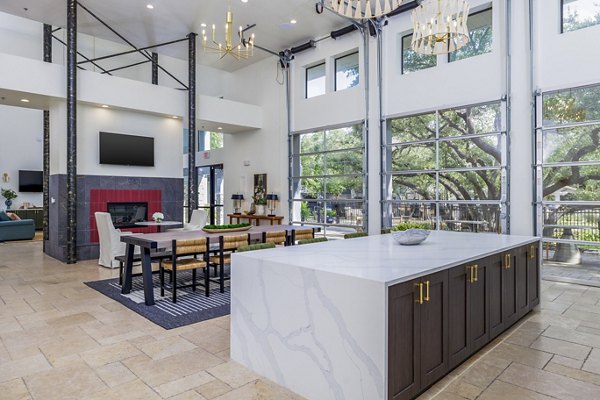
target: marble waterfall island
<point>366,318</point>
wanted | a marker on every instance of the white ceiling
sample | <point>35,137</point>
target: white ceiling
<point>173,19</point>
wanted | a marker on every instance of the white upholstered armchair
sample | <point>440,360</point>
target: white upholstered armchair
<point>197,222</point>
<point>110,240</point>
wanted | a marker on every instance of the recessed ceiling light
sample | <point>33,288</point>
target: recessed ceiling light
<point>244,1</point>
<point>203,25</point>
<point>150,6</point>
<point>25,100</point>
<point>221,128</point>
<point>174,117</point>
<point>104,106</point>
<point>293,21</point>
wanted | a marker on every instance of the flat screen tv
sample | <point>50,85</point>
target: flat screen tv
<point>31,181</point>
<point>119,149</point>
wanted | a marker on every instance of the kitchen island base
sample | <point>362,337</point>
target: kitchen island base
<point>368,319</point>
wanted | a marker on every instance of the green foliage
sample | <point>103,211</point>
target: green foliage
<point>304,211</point>
<point>262,201</point>
<point>8,194</point>
<point>572,19</point>
<point>403,226</point>
<point>216,140</point>
<point>314,240</point>
<point>355,235</point>
<point>226,226</point>
<point>258,246</point>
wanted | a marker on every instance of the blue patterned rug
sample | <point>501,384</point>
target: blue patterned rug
<point>191,307</point>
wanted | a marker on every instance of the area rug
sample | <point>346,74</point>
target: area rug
<point>191,307</point>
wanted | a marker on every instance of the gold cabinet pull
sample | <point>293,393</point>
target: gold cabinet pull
<point>470,273</point>
<point>476,269</point>
<point>507,261</point>
<point>420,300</point>
<point>532,251</point>
<point>426,290</point>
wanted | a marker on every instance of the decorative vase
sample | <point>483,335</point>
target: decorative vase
<point>8,204</point>
<point>252,209</point>
<point>260,209</point>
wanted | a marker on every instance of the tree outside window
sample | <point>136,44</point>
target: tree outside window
<point>579,14</point>
<point>480,36</point>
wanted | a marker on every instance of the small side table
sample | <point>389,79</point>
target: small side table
<point>274,220</point>
<point>160,226</point>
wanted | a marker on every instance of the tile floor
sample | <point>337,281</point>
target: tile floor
<point>60,339</point>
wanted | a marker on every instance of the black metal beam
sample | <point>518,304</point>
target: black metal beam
<point>82,56</point>
<point>71,224</point>
<point>155,68</point>
<point>46,151</point>
<point>125,66</point>
<point>404,8</point>
<point>135,50</point>
<point>144,53</point>
<point>192,176</point>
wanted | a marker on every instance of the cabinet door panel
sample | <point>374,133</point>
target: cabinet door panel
<point>403,342</point>
<point>534,275</point>
<point>479,316</point>
<point>496,288</point>
<point>434,329</point>
<point>458,314</point>
<point>521,281</point>
<point>509,289</point>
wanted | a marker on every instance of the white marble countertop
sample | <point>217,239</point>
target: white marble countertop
<point>379,258</point>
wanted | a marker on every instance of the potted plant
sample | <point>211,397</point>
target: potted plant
<point>260,206</point>
<point>9,195</point>
<point>158,217</point>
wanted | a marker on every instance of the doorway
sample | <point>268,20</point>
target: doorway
<point>210,192</point>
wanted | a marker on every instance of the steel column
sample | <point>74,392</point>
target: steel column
<point>192,175</point>
<point>46,195</point>
<point>71,255</point>
<point>155,68</point>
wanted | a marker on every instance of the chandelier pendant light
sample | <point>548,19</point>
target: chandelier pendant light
<point>243,49</point>
<point>364,9</point>
<point>440,26</point>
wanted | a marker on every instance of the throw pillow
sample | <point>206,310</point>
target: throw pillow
<point>13,216</point>
<point>4,217</point>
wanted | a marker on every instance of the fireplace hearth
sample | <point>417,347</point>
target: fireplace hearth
<point>126,214</point>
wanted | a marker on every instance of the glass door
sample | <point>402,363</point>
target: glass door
<point>210,192</point>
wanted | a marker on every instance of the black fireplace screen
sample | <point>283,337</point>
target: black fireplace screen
<point>125,215</point>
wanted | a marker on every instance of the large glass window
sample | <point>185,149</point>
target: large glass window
<point>578,14</point>
<point>328,179</point>
<point>315,81</point>
<point>568,182</point>
<point>412,61</point>
<point>448,168</point>
<point>210,140</point>
<point>346,71</point>
<point>480,36</point>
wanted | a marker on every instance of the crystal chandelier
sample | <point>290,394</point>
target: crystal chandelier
<point>241,50</point>
<point>364,9</point>
<point>440,26</point>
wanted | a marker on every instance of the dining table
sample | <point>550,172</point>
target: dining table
<point>150,242</point>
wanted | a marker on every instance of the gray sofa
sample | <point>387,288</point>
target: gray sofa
<point>17,230</point>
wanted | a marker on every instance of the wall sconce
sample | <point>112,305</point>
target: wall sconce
<point>5,177</point>
<point>237,202</point>
<point>272,200</point>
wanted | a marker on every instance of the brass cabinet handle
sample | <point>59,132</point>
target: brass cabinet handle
<point>507,261</point>
<point>420,300</point>
<point>476,269</point>
<point>532,251</point>
<point>471,274</point>
<point>426,290</point>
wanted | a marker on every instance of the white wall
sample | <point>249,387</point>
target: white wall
<point>266,148</point>
<point>167,133</point>
<point>21,135</point>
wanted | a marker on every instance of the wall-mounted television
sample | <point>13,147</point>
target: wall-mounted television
<point>119,149</point>
<point>31,181</point>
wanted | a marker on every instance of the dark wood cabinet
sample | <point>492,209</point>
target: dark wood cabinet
<point>418,340</point>
<point>468,308</point>
<point>36,214</point>
<point>533,273</point>
<point>438,321</point>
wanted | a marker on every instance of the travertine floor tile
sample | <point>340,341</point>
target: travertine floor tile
<point>115,374</point>
<point>561,347</point>
<point>573,373</point>
<point>213,389</point>
<point>592,364</point>
<point>14,390</point>
<point>166,347</point>
<point>549,384</point>
<point>184,384</point>
<point>523,355</point>
<point>109,354</point>
<point>23,367</point>
<point>567,362</point>
<point>75,381</point>
<point>233,374</point>
<point>135,390</point>
<point>259,390</point>
<point>189,395</point>
<point>499,390</point>
<point>572,336</point>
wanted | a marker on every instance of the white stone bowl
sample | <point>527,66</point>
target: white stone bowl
<point>410,237</point>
